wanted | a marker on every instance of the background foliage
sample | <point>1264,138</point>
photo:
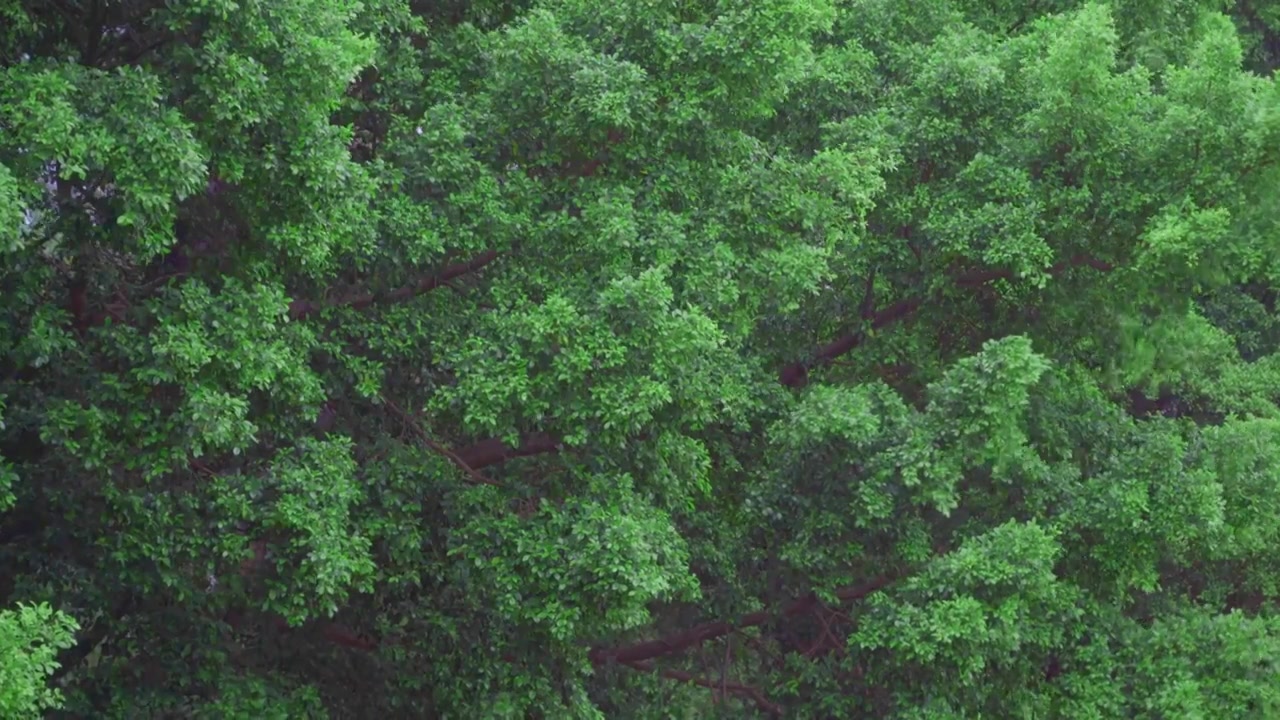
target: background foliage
<point>647,359</point>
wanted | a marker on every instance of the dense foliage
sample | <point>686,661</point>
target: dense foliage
<point>639,359</point>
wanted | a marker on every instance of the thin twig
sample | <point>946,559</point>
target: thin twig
<point>201,467</point>
<point>724,669</point>
<point>736,688</point>
<point>426,439</point>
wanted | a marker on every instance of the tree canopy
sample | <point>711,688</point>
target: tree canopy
<point>639,359</point>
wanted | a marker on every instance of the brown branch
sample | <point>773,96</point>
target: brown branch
<point>828,641</point>
<point>724,669</point>
<point>330,631</point>
<point>685,639</point>
<point>796,374</point>
<point>301,309</point>
<point>974,278</point>
<point>493,451</point>
<point>867,308</point>
<point>334,632</point>
<point>723,686</point>
<point>639,655</point>
<point>441,449</point>
<point>758,645</point>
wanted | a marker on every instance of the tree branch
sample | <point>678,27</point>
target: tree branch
<point>426,439</point>
<point>723,686</point>
<point>796,374</point>
<point>974,278</point>
<point>493,451</point>
<point>685,639</point>
<point>867,308</point>
<point>301,309</point>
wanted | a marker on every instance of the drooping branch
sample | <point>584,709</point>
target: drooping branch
<point>639,654</point>
<point>974,278</point>
<point>796,374</point>
<point>494,450</point>
<point>724,687</point>
<point>301,309</point>
<point>685,639</point>
<point>453,457</point>
<point>642,655</point>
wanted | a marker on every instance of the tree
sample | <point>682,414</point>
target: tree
<point>795,358</point>
<point>30,638</point>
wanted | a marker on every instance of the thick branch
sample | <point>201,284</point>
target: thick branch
<point>974,278</point>
<point>685,639</point>
<point>796,374</point>
<point>453,457</point>
<point>300,309</point>
<point>722,686</point>
<point>493,451</point>
<point>640,653</point>
<point>332,632</point>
